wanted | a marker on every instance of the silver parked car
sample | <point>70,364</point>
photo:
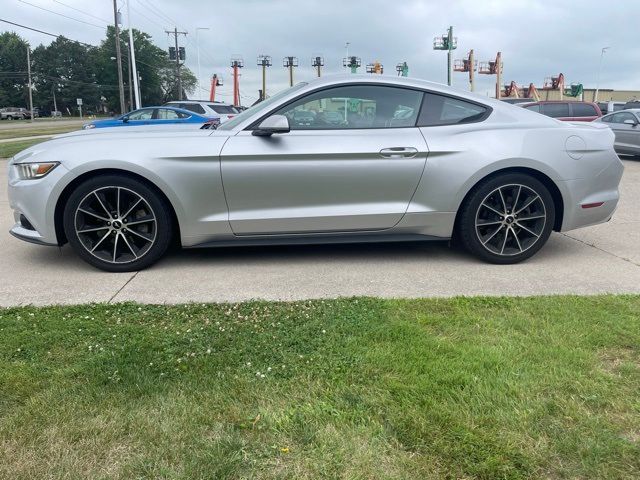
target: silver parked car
<point>409,160</point>
<point>625,125</point>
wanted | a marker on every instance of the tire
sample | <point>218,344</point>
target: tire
<point>495,230</point>
<point>117,223</point>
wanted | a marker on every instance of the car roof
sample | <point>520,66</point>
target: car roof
<point>182,110</point>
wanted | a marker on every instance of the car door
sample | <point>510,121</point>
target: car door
<point>143,116</point>
<point>627,136</point>
<point>165,116</point>
<point>321,177</point>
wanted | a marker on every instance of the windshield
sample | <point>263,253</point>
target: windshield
<point>224,109</point>
<point>265,104</point>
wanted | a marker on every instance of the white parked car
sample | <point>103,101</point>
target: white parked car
<point>223,111</point>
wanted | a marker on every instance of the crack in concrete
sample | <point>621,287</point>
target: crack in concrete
<point>601,249</point>
<point>123,287</point>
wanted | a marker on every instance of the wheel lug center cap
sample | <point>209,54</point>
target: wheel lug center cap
<point>117,224</point>
<point>509,220</point>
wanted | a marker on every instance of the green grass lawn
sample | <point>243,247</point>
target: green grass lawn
<point>364,388</point>
<point>37,130</point>
<point>9,149</point>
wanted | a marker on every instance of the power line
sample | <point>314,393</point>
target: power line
<point>62,15</point>
<point>45,33</point>
<point>81,11</point>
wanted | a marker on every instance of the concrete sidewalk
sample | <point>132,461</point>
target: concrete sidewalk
<point>604,258</point>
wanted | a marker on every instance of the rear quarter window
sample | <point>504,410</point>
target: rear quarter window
<point>583,110</point>
<point>193,107</point>
<point>443,110</point>
<point>556,110</point>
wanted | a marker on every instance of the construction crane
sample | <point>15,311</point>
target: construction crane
<point>532,92</point>
<point>493,68</point>
<point>216,81</point>
<point>468,64</point>
<point>375,67</point>
<point>402,69</point>
<point>318,63</point>
<point>449,43</point>
<point>511,90</point>
<point>558,83</point>
<point>352,62</point>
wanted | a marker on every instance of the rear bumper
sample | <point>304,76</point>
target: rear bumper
<point>587,191</point>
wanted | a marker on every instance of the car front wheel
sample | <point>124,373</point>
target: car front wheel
<point>117,223</point>
<point>507,219</point>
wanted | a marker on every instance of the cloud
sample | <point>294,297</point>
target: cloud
<point>538,38</point>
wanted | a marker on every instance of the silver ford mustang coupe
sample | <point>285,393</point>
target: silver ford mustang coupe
<point>339,159</point>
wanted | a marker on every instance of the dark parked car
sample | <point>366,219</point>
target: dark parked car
<point>566,111</point>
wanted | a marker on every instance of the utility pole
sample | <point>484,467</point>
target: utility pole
<point>472,69</point>
<point>132,56</point>
<point>179,54</point>
<point>30,84</point>
<point>290,63</point>
<point>118,57</point>
<point>264,61</point>
<point>236,64</point>
<point>131,105</point>
<point>449,43</point>
<point>318,62</point>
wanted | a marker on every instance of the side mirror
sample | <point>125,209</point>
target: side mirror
<point>125,119</point>
<point>271,125</point>
<point>630,122</point>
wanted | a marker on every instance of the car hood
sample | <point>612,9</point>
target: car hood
<point>115,135</point>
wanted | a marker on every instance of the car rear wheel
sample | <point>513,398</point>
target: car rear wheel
<point>117,223</point>
<point>507,219</point>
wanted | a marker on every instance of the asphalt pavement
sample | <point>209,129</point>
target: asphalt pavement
<point>599,259</point>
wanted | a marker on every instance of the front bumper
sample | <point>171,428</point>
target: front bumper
<point>36,201</point>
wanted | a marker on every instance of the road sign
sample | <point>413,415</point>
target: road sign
<point>79,101</point>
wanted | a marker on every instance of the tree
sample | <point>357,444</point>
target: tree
<point>156,71</point>
<point>67,68</point>
<point>13,70</point>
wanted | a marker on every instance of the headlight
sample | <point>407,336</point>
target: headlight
<point>87,126</point>
<point>31,171</point>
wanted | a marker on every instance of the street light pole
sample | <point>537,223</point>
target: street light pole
<point>595,96</point>
<point>30,84</point>
<point>132,56</point>
<point>198,54</point>
<point>118,58</point>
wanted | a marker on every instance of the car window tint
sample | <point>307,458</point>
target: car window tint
<point>556,109</point>
<point>166,114</point>
<point>193,107</point>
<point>144,114</point>
<point>583,110</point>
<point>443,110</point>
<point>607,118</point>
<point>618,106</point>
<point>621,117</point>
<point>533,108</point>
<point>223,109</point>
<point>355,106</point>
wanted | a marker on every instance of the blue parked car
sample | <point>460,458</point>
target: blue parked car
<point>150,116</point>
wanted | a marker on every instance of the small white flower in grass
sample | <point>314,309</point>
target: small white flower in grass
<point>262,375</point>
<point>208,351</point>
<point>324,331</point>
<point>248,364</point>
<point>268,369</point>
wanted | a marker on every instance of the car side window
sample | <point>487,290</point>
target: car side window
<point>144,114</point>
<point>166,114</point>
<point>621,117</point>
<point>533,108</point>
<point>583,110</point>
<point>443,110</point>
<point>556,110</point>
<point>354,106</point>
<point>193,107</point>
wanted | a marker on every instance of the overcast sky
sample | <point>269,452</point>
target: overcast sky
<point>537,38</point>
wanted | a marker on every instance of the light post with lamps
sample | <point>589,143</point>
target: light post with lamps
<point>595,96</point>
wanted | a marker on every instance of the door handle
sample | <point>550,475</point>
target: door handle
<point>398,152</point>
